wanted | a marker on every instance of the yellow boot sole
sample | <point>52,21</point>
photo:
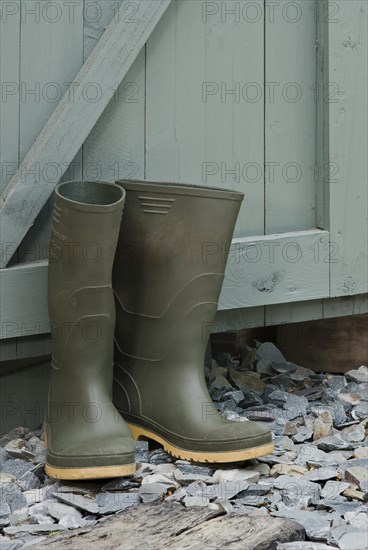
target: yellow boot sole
<point>195,456</point>
<point>95,472</point>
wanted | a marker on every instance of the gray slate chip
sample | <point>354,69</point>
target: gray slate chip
<point>322,474</point>
<point>78,501</point>
<point>151,492</point>
<point>192,468</point>
<point>299,486</point>
<point>120,484</point>
<point>316,524</point>
<point>7,544</point>
<point>17,467</point>
<point>109,503</point>
<point>333,443</point>
<point>5,514</point>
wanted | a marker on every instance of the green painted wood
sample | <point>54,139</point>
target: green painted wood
<point>42,30</point>
<point>197,130</point>
<point>322,90</point>
<point>72,121</point>
<point>114,150</point>
<point>23,297</point>
<point>290,116</point>
<point>24,307</point>
<point>25,347</point>
<point>345,305</point>
<point>179,123</point>
<point>294,312</point>
<point>348,197</point>
<point>231,320</point>
<point>175,117</point>
<point>9,101</point>
<point>280,268</point>
<point>234,58</point>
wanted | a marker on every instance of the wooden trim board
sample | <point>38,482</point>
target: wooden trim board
<point>274,278</point>
<point>275,269</point>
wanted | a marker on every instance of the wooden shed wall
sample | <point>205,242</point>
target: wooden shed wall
<point>247,95</point>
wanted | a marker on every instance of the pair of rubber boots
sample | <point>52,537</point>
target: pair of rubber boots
<point>164,261</point>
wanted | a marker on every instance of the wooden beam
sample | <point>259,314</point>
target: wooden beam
<point>264,270</point>
<point>348,142</point>
<point>73,119</point>
<point>23,297</point>
<point>274,269</point>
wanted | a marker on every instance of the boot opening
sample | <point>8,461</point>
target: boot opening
<point>91,192</point>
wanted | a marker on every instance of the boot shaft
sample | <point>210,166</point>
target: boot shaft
<point>84,234</point>
<point>169,267</point>
<point>170,236</point>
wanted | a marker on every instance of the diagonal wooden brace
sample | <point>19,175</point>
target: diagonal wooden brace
<point>72,121</point>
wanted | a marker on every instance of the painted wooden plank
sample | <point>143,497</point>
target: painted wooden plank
<point>71,122</point>
<point>290,127</point>
<point>23,291</point>
<point>23,296</point>
<point>43,32</point>
<point>26,347</point>
<point>115,150</point>
<point>286,267</point>
<point>294,312</point>
<point>175,117</point>
<point>253,317</point>
<point>347,43</point>
<point>322,167</point>
<point>231,320</point>
<point>345,305</point>
<point>9,98</point>
<point>234,108</point>
<point>197,130</point>
<point>8,350</point>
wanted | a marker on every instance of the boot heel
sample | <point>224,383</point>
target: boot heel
<point>202,456</point>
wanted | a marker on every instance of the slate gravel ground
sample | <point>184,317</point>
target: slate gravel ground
<point>316,478</point>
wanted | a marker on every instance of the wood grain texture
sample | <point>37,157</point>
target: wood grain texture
<point>23,294</point>
<point>25,347</point>
<point>114,150</point>
<point>329,345</point>
<point>285,267</point>
<point>9,99</point>
<point>290,117</point>
<point>71,122</point>
<point>294,312</point>
<point>345,305</point>
<point>322,170</point>
<point>176,527</point>
<point>348,144</point>
<point>230,320</point>
<point>43,84</point>
<point>200,126</point>
<point>23,297</point>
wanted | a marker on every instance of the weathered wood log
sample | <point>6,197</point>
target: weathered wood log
<point>172,526</point>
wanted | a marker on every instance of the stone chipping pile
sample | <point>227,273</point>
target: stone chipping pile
<point>317,475</point>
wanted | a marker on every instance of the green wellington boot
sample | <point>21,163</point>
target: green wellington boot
<point>167,279</point>
<point>85,435</point>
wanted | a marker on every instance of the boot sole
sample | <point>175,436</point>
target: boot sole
<point>94,472</point>
<point>199,456</point>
